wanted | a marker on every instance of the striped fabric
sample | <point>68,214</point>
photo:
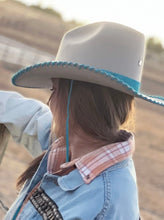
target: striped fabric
<point>91,164</point>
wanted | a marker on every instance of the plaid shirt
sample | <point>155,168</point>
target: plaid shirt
<point>91,164</point>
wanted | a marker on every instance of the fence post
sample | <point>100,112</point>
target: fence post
<point>4,138</point>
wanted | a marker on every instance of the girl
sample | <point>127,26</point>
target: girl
<point>87,172</point>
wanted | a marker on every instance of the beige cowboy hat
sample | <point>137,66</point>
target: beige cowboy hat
<point>104,53</point>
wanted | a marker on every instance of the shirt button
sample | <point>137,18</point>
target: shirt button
<point>88,176</point>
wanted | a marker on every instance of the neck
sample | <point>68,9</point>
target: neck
<point>83,144</point>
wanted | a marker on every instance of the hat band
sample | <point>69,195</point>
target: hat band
<point>129,82</point>
<point>135,85</point>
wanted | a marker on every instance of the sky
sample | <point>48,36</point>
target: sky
<point>146,16</point>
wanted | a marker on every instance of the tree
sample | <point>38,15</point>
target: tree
<point>154,45</point>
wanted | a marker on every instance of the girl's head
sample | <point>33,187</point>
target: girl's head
<point>95,110</point>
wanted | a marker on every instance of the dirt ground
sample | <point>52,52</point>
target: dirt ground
<point>149,132</point>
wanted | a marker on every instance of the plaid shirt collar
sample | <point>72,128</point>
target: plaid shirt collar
<point>91,164</point>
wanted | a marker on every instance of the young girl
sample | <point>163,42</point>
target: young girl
<point>87,172</point>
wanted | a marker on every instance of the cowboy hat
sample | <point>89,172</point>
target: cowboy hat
<point>104,53</point>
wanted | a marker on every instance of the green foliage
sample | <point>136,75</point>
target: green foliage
<point>38,7</point>
<point>154,45</point>
<point>47,10</point>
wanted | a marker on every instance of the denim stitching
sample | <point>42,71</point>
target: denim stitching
<point>107,196</point>
<point>107,188</point>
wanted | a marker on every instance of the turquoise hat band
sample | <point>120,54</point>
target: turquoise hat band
<point>131,86</point>
<point>129,81</point>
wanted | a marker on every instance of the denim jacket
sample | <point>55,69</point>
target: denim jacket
<point>111,195</point>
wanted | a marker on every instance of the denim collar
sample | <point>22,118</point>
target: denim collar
<point>71,181</point>
<point>74,180</point>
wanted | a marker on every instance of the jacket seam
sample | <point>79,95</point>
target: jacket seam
<point>107,196</point>
<point>108,190</point>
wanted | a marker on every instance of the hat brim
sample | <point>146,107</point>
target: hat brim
<point>40,75</point>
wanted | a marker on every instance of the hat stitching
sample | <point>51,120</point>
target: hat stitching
<point>102,72</point>
<point>80,66</point>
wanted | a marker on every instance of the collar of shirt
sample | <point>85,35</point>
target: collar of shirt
<point>91,164</point>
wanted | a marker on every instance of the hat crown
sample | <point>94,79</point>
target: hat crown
<point>103,53</point>
<point>105,45</point>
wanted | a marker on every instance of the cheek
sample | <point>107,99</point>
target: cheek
<point>52,102</point>
<point>59,119</point>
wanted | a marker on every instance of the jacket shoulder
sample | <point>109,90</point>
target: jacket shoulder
<point>121,194</point>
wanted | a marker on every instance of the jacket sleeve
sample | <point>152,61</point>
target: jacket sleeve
<point>28,121</point>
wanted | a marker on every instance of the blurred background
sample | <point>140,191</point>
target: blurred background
<point>30,32</point>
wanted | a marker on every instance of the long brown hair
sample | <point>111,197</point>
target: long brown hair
<point>4,137</point>
<point>97,110</point>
